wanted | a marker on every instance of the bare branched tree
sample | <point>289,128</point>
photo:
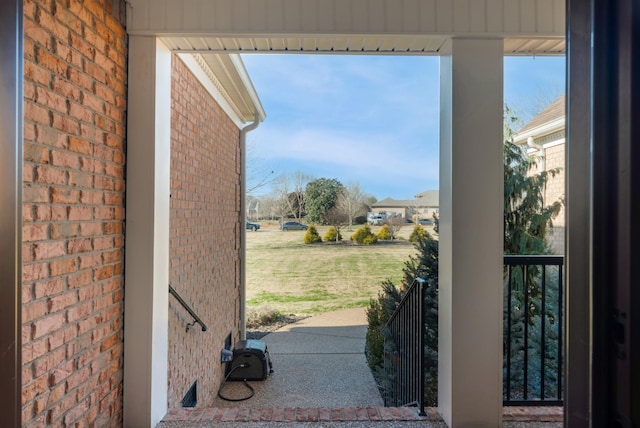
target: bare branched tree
<point>351,202</point>
<point>290,190</point>
<point>258,175</point>
<point>280,206</point>
<point>269,207</point>
<point>337,218</point>
<point>531,106</point>
<point>395,223</point>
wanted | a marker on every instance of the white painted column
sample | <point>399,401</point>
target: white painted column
<point>147,243</point>
<point>471,210</point>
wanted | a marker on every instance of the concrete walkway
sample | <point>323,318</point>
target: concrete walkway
<point>318,362</point>
<point>322,379</point>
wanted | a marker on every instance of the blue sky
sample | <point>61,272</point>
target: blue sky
<point>367,119</point>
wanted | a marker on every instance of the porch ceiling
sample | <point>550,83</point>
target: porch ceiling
<point>352,44</point>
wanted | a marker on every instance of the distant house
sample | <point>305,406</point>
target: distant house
<point>545,137</point>
<point>424,205</point>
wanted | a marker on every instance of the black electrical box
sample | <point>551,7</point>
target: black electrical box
<point>251,361</point>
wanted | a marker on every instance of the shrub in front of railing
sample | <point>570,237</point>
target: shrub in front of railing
<point>423,265</point>
<point>417,233</point>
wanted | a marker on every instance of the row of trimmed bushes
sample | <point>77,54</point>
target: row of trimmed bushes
<point>362,235</point>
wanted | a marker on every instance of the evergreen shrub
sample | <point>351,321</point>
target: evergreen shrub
<point>332,234</point>
<point>384,233</point>
<point>312,236</point>
<point>363,235</point>
<point>418,232</point>
<point>370,239</point>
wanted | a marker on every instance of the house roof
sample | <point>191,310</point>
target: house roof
<point>553,112</point>
<point>549,121</point>
<point>428,198</point>
<point>390,202</point>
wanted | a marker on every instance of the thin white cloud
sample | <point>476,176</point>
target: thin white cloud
<point>355,152</point>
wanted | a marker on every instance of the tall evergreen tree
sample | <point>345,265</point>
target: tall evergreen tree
<point>526,221</point>
<point>320,196</point>
<point>526,217</point>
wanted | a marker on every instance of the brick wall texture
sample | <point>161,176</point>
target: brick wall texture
<point>73,214</point>
<point>205,236</point>
<point>555,158</point>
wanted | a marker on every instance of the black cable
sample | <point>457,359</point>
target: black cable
<point>241,366</point>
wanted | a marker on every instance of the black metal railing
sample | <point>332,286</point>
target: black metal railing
<point>196,318</point>
<point>533,336</point>
<point>405,364</point>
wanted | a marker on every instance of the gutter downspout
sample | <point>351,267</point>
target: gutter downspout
<point>243,231</point>
<point>531,143</point>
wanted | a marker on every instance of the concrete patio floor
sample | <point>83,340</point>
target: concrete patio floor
<point>321,378</point>
<point>317,362</point>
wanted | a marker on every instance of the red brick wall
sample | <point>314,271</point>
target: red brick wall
<point>73,214</point>
<point>205,233</point>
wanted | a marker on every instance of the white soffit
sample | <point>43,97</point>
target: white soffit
<point>310,44</point>
<point>228,82</point>
<point>351,44</point>
<point>542,47</point>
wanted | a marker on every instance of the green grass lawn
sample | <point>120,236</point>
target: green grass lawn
<point>285,275</point>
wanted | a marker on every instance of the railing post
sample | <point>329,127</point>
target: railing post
<point>525,393</point>
<point>508,377</point>
<point>560,331</point>
<point>422,329</point>
<point>543,321</point>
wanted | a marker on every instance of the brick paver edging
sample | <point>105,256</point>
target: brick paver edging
<point>300,414</point>
<point>533,414</point>
<point>345,414</point>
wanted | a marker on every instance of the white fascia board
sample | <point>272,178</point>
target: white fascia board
<point>248,85</point>
<point>198,66</point>
<point>540,131</point>
<point>554,143</point>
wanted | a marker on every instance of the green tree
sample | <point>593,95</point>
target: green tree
<point>320,196</point>
<point>526,217</point>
